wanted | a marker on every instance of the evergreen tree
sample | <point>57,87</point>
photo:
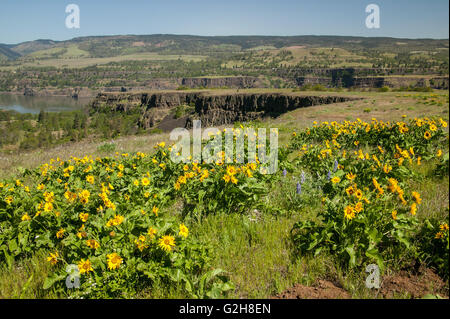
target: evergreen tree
<point>41,116</point>
<point>76,121</point>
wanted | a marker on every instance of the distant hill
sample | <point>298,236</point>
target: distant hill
<point>109,46</point>
<point>25,48</point>
<point>7,54</point>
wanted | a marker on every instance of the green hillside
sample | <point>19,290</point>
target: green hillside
<point>106,46</point>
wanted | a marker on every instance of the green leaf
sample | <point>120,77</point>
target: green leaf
<point>374,254</point>
<point>374,236</point>
<point>12,245</point>
<point>206,278</point>
<point>402,238</point>
<point>176,275</point>
<point>9,258</point>
<point>26,286</point>
<point>351,253</point>
<point>188,286</point>
<point>50,281</point>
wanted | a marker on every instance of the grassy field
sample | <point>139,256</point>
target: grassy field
<point>301,54</point>
<point>75,58</point>
<point>70,52</point>
<point>254,248</point>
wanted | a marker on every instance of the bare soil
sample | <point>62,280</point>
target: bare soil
<point>400,285</point>
<point>416,285</point>
<point>323,289</point>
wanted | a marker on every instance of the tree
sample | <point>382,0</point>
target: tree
<point>42,116</point>
<point>76,122</point>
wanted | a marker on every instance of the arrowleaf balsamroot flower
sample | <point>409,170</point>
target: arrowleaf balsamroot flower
<point>335,180</point>
<point>394,215</point>
<point>416,197</point>
<point>114,261</point>
<point>84,217</point>
<point>183,231</point>
<point>413,209</point>
<point>90,179</point>
<point>53,258</point>
<point>145,181</point>
<point>60,233</point>
<point>116,221</point>
<point>85,266</point>
<point>349,212</point>
<point>226,178</point>
<point>92,243</point>
<point>152,232</point>
<point>350,176</point>
<point>166,242</point>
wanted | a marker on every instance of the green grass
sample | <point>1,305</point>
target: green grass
<point>67,59</point>
<point>25,279</point>
<point>256,253</point>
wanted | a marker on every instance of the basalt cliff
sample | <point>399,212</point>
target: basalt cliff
<point>159,109</point>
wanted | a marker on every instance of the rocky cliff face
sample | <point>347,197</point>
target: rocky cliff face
<point>226,109</point>
<point>306,80</point>
<point>361,72</point>
<point>375,81</point>
<point>440,82</point>
<point>211,109</point>
<point>240,82</point>
<point>350,78</point>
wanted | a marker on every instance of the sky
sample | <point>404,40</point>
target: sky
<point>22,20</point>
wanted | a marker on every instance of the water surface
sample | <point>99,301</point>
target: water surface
<point>34,104</point>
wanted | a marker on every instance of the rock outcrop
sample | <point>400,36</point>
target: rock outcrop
<point>210,108</point>
<point>28,92</point>
<point>374,81</point>
<point>241,82</point>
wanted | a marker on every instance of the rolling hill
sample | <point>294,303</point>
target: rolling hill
<point>109,46</point>
<point>7,54</point>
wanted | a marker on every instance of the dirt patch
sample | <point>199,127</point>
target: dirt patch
<point>296,47</point>
<point>417,285</point>
<point>138,44</point>
<point>323,289</point>
<point>413,284</point>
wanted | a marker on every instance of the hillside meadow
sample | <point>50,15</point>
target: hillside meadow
<point>361,182</point>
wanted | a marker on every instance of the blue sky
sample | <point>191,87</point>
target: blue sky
<point>22,20</point>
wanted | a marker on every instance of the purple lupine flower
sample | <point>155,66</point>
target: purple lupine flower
<point>284,172</point>
<point>299,188</point>
<point>329,175</point>
<point>335,165</point>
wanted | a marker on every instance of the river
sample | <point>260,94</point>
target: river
<point>34,104</point>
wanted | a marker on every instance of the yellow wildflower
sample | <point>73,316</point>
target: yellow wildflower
<point>53,258</point>
<point>167,242</point>
<point>183,231</point>
<point>84,266</point>
<point>92,243</point>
